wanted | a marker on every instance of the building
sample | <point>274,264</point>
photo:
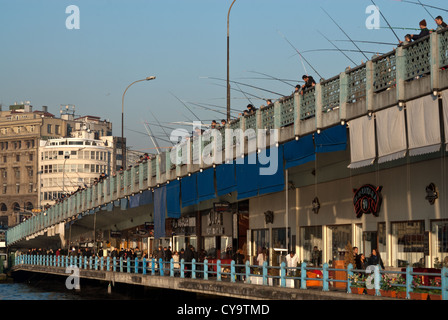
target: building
<point>21,133</point>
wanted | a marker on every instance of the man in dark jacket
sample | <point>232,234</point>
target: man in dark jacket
<point>423,33</point>
<point>309,82</point>
<point>440,23</point>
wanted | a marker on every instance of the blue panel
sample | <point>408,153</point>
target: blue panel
<point>134,200</point>
<point>247,173</point>
<point>159,212</point>
<point>173,199</point>
<point>271,178</point>
<point>298,152</point>
<point>189,190</point>
<point>110,206</point>
<point>145,198</point>
<point>206,185</point>
<point>124,203</point>
<point>331,140</point>
<point>225,178</point>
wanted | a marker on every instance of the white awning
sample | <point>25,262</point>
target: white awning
<point>391,134</point>
<point>362,142</point>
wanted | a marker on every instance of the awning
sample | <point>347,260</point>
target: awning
<point>225,178</point>
<point>159,212</point>
<point>134,200</point>
<point>423,125</point>
<point>391,134</point>
<point>206,184</point>
<point>145,198</point>
<point>362,142</point>
<point>189,191</point>
<point>247,172</point>
<point>124,203</point>
<point>331,139</point>
<point>173,199</point>
<point>298,152</point>
<point>271,170</point>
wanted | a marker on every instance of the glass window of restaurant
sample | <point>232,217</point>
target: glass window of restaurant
<point>337,238</point>
<point>408,243</point>
<point>439,231</point>
<point>181,242</point>
<point>260,240</point>
<point>279,245</point>
<point>311,238</point>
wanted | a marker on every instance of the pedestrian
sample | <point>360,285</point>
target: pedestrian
<point>309,83</point>
<point>292,261</point>
<point>262,256</point>
<point>440,24</point>
<point>375,259</point>
<point>238,257</point>
<point>176,265</point>
<point>423,31</point>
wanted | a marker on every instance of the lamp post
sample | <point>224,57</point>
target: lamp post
<point>228,81</point>
<point>123,161</point>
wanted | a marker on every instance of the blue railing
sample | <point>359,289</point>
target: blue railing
<point>251,274</point>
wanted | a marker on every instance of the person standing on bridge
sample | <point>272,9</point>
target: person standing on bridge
<point>309,83</point>
<point>440,24</point>
<point>423,33</point>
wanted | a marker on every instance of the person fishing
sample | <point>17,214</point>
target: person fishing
<point>423,33</point>
<point>440,24</point>
<point>309,82</point>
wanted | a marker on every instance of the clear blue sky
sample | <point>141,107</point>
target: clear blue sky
<point>183,44</point>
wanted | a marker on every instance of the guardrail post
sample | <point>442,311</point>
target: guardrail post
<point>282,275</point>
<point>218,270</point>
<point>101,263</point>
<point>75,262</point>
<point>96,263</point>
<point>248,272</point>
<point>444,283</point>
<point>161,267</point>
<point>232,271</point>
<point>303,275</point>
<point>90,262</point>
<point>182,268</point>
<point>85,263</point>
<point>349,275</point>
<point>326,277</point>
<point>136,265</point>
<point>108,263</point>
<point>153,266</point>
<point>205,269</point>
<point>171,267</point>
<point>193,269</point>
<point>144,266</point>
<point>71,261</point>
<point>128,265</point>
<point>408,281</point>
<point>114,263</point>
<point>265,273</point>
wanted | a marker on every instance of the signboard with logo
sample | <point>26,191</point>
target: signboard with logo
<point>367,200</point>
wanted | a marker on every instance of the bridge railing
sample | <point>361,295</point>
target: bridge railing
<point>342,92</point>
<point>300,277</point>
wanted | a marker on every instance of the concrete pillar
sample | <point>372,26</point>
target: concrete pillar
<point>297,122</point>
<point>435,61</point>
<point>400,57</point>
<point>369,85</point>
<point>318,105</point>
<point>343,92</point>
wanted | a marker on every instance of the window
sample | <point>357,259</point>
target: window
<point>57,129</point>
<point>17,158</point>
<point>17,187</point>
<point>337,239</point>
<point>30,157</point>
<point>260,240</point>
<point>439,231</point>
<point>408,243</point>
<point>311,242</point>
<point>48,128</point>
<point>5,188</point>
<point>30,187</point>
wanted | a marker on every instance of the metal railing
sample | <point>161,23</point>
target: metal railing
<point>299,277</point>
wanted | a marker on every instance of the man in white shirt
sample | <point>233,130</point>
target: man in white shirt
<point>291,262</point>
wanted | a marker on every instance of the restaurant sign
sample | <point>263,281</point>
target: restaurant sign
<point>367,199</point>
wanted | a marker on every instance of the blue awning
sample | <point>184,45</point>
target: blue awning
<point>206,185</point>
<point>159,212</point>
<point>247,177</point>
<point>124,203</point>
<point>110,206</point>
<point>189,191</point>
<point>297,152</point>
<point>134,200</point>
<point>225,178</point>
<point>271,175</point>
<point>331,140</point>
<point>145,198</point>
<point>173,199</point>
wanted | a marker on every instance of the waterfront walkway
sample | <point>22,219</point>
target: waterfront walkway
<point>240,281</point>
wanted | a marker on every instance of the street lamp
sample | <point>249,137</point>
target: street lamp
<point>123,161</point>
<point>228,82</point>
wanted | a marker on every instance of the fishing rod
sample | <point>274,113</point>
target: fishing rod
<point>426,10</point>
<point>337,48</point>
<point>373,42</point>
<point>344,33</point>
<point>210,109</point>
<point>381,13</point>
<point>247,85</point>
<point>424,5</point>
<point>237,90</point>
<point>244,94</point>
<point>274,78</point>
<point>163,129</point>
<point>315,50</point>
<point>186,106</point>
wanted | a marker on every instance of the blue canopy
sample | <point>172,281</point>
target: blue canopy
<point>124,203</point>
<point>145,198</point>
<point>173,199</point>
<point>331,140</point>
<point>271,175</point>
<point>206,185</point>
<point>134,200</point>
<point>159,212</point>
<point>189,190</point>
<point>247,177</point>
<point>225,178</point>
<point>297,152</point>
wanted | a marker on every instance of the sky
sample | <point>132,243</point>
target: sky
<point>183,43</point>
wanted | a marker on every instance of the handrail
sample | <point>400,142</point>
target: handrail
<point>244,272</point>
